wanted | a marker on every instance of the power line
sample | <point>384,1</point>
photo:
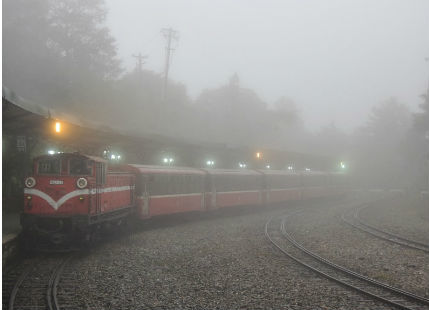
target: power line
<point>140,61</point>
<point>169,35</point>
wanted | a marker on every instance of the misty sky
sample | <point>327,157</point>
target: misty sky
<point>335,59</point>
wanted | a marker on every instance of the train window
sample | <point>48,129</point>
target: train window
<point>49,166</point>
<point>64,166</point>
<point>79,166</point>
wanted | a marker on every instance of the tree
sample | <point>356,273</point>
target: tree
<point>421,120</point>
<point>58,52</point>
<point>80,39</point>
<point>233,114</point>
<point>380,156</point>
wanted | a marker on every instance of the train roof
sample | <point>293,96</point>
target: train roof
<point>314,173</point>
<point>232,171</point>
<point>165,169</point>
<point>278,172</point>
<point>75,154</point>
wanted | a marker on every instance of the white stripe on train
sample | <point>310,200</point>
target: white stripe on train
<point>56,204</point>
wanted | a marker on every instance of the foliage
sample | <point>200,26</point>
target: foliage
<point>57,52</point>
<point>421,120</point>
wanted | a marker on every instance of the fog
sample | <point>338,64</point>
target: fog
<point>336,59</point>
<point>347,79</point>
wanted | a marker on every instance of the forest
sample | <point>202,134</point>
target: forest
<point>61,54</point>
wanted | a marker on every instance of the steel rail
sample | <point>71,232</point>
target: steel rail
<point>386,235</point>
<point>351,272</point>
<point>51,288</point>
<point>16,287</point>
<point>333,278</point>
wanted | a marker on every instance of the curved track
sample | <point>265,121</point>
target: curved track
<point>387,294</point>
<point>35,284</point>
<point>358,223</point>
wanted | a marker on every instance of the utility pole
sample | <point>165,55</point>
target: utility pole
<point>169,35</point>
<point>427,136</point>
<point>140,61</point>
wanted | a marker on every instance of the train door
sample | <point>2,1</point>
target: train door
<point>100,180</point>
<point>214,191</point>
<point>146,180</point>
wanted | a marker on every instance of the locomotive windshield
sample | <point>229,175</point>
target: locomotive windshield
<point>80,166</point>
<point>49,166</point>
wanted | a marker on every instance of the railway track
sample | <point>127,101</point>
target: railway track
<point>355,220</point>
<point>385,294</point>
<point>34,284</point>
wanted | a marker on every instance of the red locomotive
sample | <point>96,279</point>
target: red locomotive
<point>72,195</point>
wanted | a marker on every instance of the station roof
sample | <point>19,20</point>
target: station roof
<point>27,118</point>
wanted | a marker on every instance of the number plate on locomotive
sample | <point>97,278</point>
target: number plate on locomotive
<point>56,182</point>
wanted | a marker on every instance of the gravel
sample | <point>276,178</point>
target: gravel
<point>405,216</point>
<point>216,261</point>
<point>323,232</point>
<point>221,260</point>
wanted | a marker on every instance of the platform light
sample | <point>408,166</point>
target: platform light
<point>168,160</point>
<point>51,152</point>
<point>57,127</point>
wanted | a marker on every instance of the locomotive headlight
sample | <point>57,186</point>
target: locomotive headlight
<point>81,183</point>
<point>30,182</point>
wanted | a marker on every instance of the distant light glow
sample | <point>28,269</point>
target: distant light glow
<point>119,156</point>
<point>210,163</point>
<point>57,127</point>
<point>268,166</point>
<point>242,165</point>
<point>258,155</point>
<point>113,156</point>
<point>342,165</point>
<point>168,160</point>
<point>307,169</point>
<point>51,152</point>
<point>289,168</point>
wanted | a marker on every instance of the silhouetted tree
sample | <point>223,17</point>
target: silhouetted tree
<point>378,146</point>
<point>421,119</point>
<point>57,52</point>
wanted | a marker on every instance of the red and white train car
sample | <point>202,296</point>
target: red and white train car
<point>74,194</point>
<point>282,186</point>
<point>164,190</point>
<point>229,188</point>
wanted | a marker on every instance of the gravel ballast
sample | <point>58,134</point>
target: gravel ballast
<point>222,260</point>
<point>323,232</point>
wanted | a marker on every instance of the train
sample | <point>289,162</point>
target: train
<point>70,196</point>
